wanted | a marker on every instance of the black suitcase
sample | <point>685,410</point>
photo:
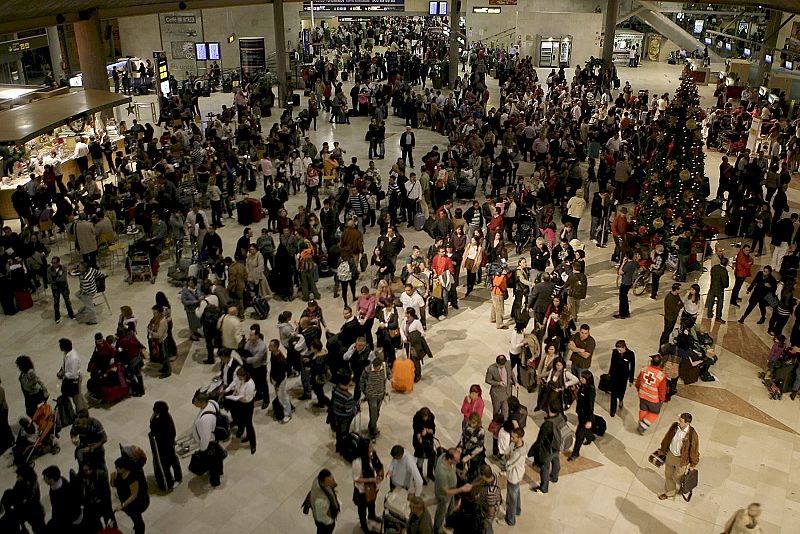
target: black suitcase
<point>598,425</point>
<point>295,100</point>
<point>244,213</point>
<point>783,377</point>
<point>605,383</point>
<point>527,378</point>
<point>277,410</point>
<point>435,307</point>
<point>261,307</point>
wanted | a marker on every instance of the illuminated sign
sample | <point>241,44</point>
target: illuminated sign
<point>487,10</point>
<point>213,52</point>
<point>206,51</point>
<point>180,19</point>
<point>356,5</point>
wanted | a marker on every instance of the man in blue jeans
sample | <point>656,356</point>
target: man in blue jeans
<point>515,471</point>
<point>446,487</point>
<point>627,272</point>
<point>546,451</point>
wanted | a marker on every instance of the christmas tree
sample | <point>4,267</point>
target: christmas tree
<point>675,186</point>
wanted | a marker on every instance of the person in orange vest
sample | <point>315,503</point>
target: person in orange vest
<point>652,386</point>
<point>499,295</point>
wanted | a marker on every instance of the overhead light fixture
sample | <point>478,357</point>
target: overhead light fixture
<point>231,38</point>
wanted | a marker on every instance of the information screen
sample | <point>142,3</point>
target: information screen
<point>213,52</point>
<point>200,51</point>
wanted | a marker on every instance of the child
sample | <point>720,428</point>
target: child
<point>778,346</point>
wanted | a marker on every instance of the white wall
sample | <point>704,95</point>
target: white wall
<point>140,36</point>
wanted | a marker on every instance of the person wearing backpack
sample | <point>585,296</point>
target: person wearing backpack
<point>345,275</point>
<point>203,431</point>
<point>546,450</point>
<point>323,502</point>
<point>307,265</point>
<point>208,311</point>
<point>576,287</point>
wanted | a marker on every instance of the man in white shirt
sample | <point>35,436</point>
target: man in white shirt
<point>403,470</point>
<point>70,374</point>
<point>242,394</point>
<point>81,154</point>
<point>203,434</point>
<point>412,299</point>
<point>515,471</point>
<point>413,196</point>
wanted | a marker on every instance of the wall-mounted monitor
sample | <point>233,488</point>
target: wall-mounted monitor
<point>768,58</point>
<point>789,65</point>
<point>201,51</point>
<point>213,52</point>
<point>698,26</point>
<point>747,52</point>
<point>707,40</point>
<point>728,46</point>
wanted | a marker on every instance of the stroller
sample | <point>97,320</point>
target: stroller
<point>36,436</point>
<point>526,225</point>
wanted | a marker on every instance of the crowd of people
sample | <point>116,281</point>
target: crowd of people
<point>579,137</point>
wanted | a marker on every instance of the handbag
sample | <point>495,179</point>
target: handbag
<point>688,483</point>
<point>771,300</point>
<point>198,464</point>
<point>605,383</point>
<point>370,492</point>
<point>494,427</point>
<point>394,333</point>
<point>363,263</point>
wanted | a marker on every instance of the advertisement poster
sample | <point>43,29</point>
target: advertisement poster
<point>252,55</point>
<point>180,31</point>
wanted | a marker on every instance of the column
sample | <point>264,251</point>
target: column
<point>770,42</point>
<point>612,12</point>
<point>280,50</point>
<point>55,52</point>
<point>455,10</point>
<point>90,53</point>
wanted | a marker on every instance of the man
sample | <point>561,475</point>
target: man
<point>86,241</point>
<point>673,304</point>
<point>716,291</point>
<point>373,384</point>
<point>446,486</point>
<point>230,329</point>
<point>203,434</point>
<point>410,298</point>
<point>90,437</point>
<point>742,271</point>
<point>652,387</point>
<point>419,520</point>
<point>443,273</point>
<point>681,445</point>
<point>306,265</point>
<point>576,286</point>
<point>81,155</point>
<point>243,244</point>
<point>627,272</point>
<point>255,361</point>
<point>501,380</point>
<point>546,450</point>
<point>391,244</point>
<point>208,312</point>
<point>515,471</point>
<point>323,502</point>
<point>278,373</point>
<point>70,374</point>
<point>403,470</point>
<point>684,246</point>
<point>57,280</point>
<point>65,503</point>
<point>359,355</point>
<point>619,229</point>
<point>488,499</point>
<point>575,208</point>
<point>582,345</point>
<point>407,144</point>
<point>541,298</point>
<point>499,294</point>
<point>413,191</point>
<point>782,232</point>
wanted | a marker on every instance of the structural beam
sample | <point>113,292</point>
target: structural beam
<point>280,50</point>
<point>455,9</point>
<point>612,11</point>
<point>771,40</point>
<point>90,53</point>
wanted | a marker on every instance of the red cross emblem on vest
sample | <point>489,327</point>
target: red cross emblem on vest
<point>650,378</point>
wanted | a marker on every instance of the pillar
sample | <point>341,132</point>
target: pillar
<point>90,53</point>
<point>280,50</point>
<point>455,10</point>
<point>54,45</point>
<point>770,42</point>
<point>612,12</point>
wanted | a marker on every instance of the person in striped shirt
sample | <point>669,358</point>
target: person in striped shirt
<point>89,277</point>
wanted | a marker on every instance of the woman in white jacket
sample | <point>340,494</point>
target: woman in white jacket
<point>255,270</point>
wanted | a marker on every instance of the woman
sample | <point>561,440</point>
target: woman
<point>584,407</point>
<point>782,312</point>
<point>367,476</point>
<point>658,257</point>
<point>162,434</point>
<point>745,521</point>
<point>412,334</point>
<point>126,317</point>
<point>516,346</point>
<point>383,296</point>
<point>559,332</point>
<point>553,313</point>
<point>365,312</point>
<point>497,252</point>
<point>762,290</point>
<point>347,276</point>
<point>381,266</point>
<point>473,261</point>
<point>255,270</point>
<point>459,240</point>
<point>692,306</point>
<point>241,400</point>
<point>473,453</point>
<point>157,341</point>
<point>95,496</point>
<point>472,404</point>
<point>621,373</point>
<point>215,198</point>
<point>546,362</point>
<point>388,336</point>
<point>424,427</point>
<point>320,373</point>
<point>555,391</point>
<point>190,298</point>
<point>33,389</point>
<point>166,309</point>
<point>131,486</point>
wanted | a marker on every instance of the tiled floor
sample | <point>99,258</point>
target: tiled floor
<point>745,456</point>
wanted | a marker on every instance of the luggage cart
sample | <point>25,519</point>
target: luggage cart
<point>396,512</point>
<point>140,267</point>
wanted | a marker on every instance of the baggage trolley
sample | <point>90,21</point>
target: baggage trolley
<point>396,512</point>
<point>140,267</point>
<point>185,446</point>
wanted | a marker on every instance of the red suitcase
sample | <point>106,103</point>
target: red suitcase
<point>24,300</point>
<point>112,394</point>
<point>255,205</point>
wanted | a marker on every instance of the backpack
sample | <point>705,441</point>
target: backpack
<point>564,435</point>
<point>211,314</point>
<point>222,427</point>
<point>343,272</point>
<point>511,280</point>
<point>306,260</point>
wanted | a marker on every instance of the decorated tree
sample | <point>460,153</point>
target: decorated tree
<point>675,186</point>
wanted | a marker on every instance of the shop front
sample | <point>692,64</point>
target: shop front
<point>624,42</point>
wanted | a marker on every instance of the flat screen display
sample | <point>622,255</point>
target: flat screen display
<point>747,52</point>
<point>213,52</point>
<point>200,51</point>
<point>767,58</point>
<point>698,25</point>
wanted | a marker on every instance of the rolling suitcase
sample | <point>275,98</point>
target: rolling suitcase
<point>435,307</point>
<point>605,383</point>
<point>295,100</point>
<point>255,208</point>
<point>350,443</point>
<point>527,378</point>
<point>24,300</point>
<point>158,468</point>
<point>419,221</point>
<point>261,307</point>
<point>244,213</point>
<point>598,425</point>
<point>783,377</point>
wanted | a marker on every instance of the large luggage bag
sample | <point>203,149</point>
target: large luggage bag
<point>244,213</point>
<point>527,378</point>
<point>435,307</point>
<point>598,425</point>
<point>255,207</point>
<point>261,307</point>
<point>689,371</point>
<point>350,446</point>
<point>419,221</point>
<point>24,300</point>
<point>783,377</point>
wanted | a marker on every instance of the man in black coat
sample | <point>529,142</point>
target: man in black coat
<point>407,144</point>
<point>541,298</point>
<point>546,451</point>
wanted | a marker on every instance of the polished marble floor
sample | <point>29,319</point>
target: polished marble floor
<point>748,444</point>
